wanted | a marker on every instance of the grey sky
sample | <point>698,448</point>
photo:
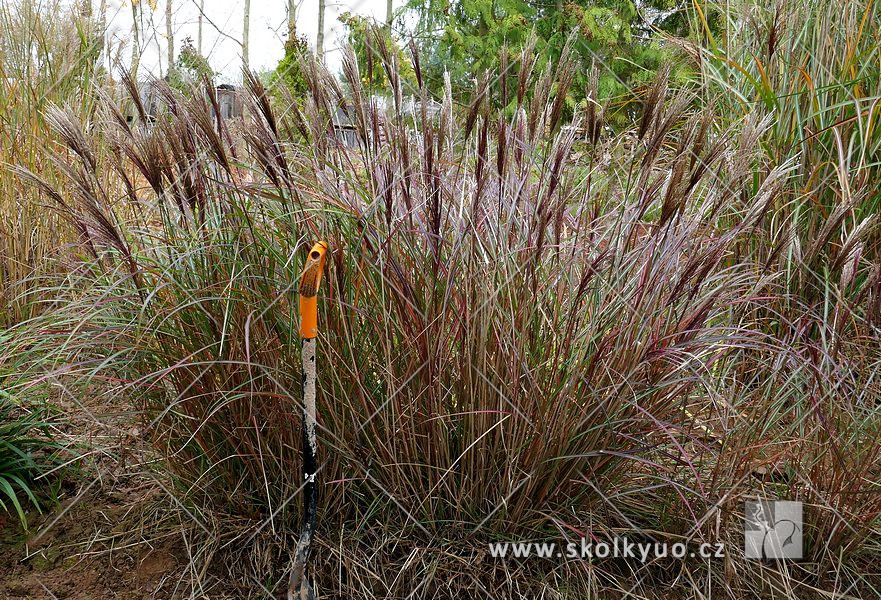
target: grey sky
<point>268,30</point>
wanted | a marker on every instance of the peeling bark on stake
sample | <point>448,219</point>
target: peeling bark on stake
<point>300,587</point>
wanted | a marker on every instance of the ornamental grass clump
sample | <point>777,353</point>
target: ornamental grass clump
<point>48,56</point>
<point>531,328</point>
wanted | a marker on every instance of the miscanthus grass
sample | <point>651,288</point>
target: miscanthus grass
<point>533,327</point>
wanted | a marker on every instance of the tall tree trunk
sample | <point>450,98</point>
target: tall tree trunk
<point>199,34</point>
<point>136,40</point>
<point>169,33</point>
<point>319,42</point>
<point>292,20</point>
<point>389,13</point>
<point>246,30</point>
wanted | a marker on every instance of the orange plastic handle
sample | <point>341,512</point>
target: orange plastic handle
<point>309,282</point>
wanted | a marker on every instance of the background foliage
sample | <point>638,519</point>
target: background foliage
<point>467,38</point>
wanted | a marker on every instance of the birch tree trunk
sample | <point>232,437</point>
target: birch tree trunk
<point>319,42</point>
<point>199,34</point>
<point>245,34</point>
<point>169,33</point>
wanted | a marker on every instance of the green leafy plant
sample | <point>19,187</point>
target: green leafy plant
<point>372,45</point>
<point>190,68</point>
<point>288,74</point>
<point>26,450</point>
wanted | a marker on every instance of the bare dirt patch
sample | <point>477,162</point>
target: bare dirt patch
<point>84,550</point>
